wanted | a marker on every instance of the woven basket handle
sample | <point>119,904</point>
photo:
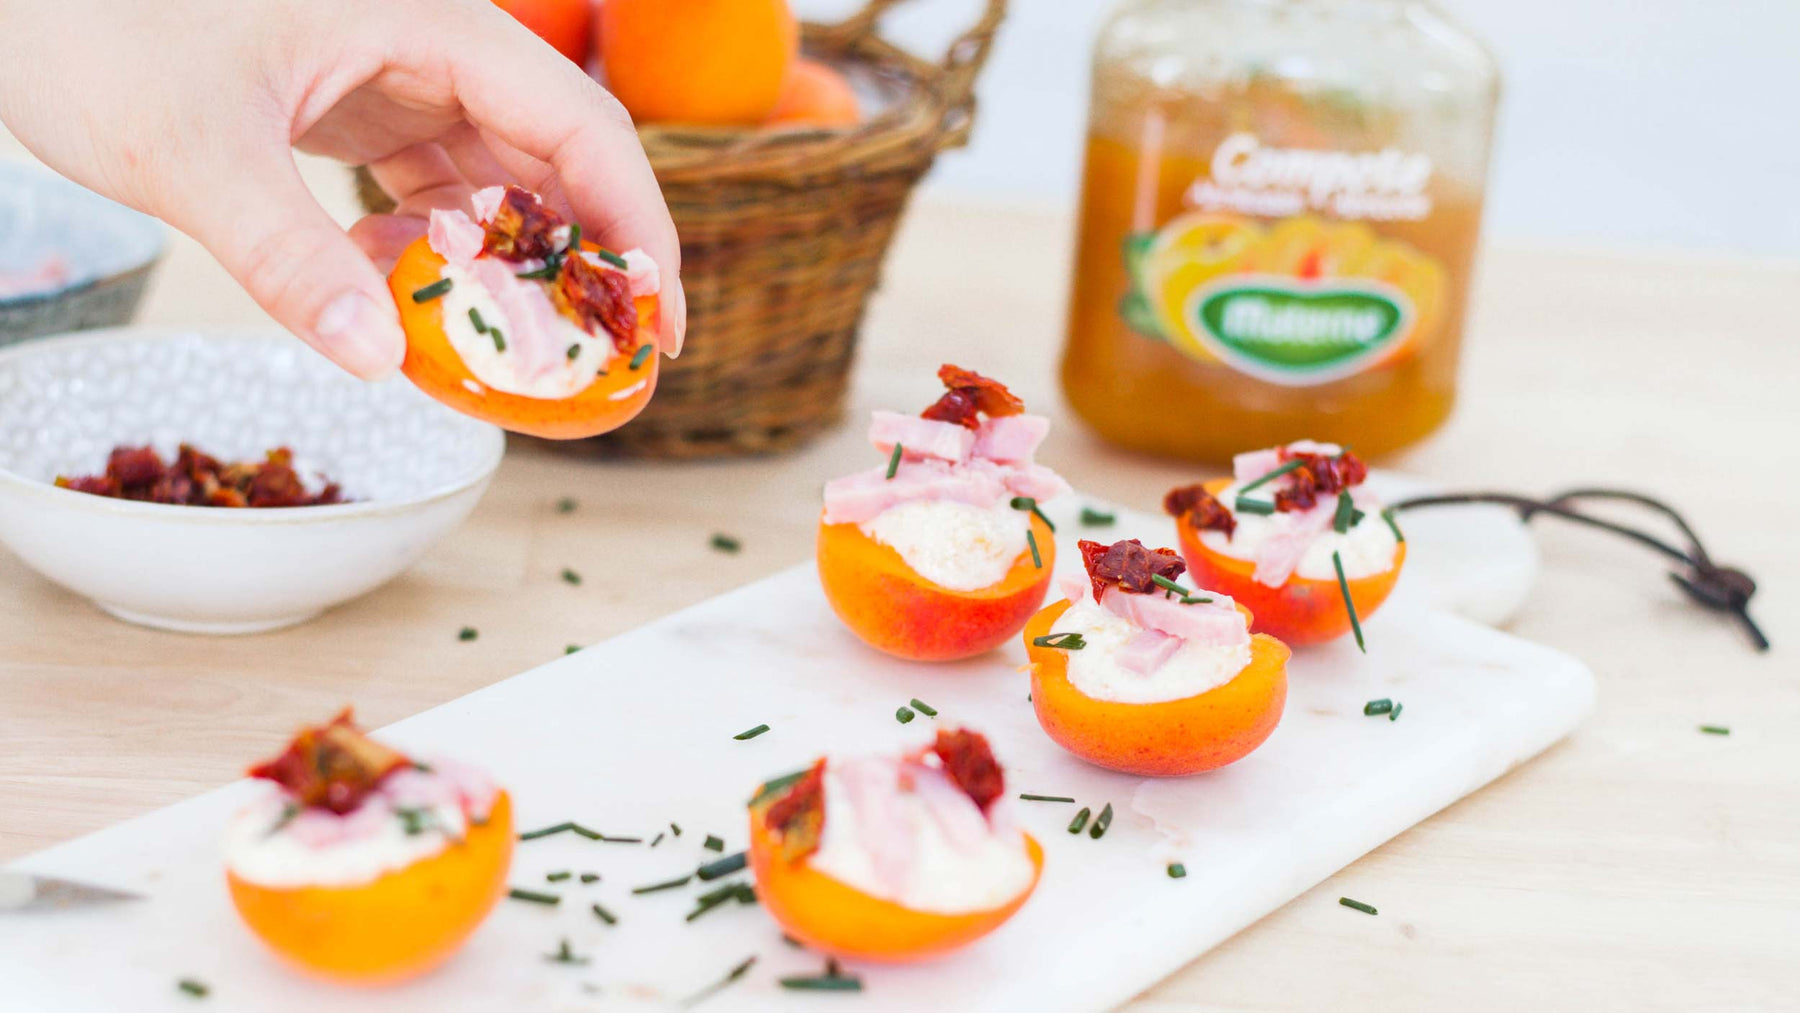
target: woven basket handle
<point>962,62</point>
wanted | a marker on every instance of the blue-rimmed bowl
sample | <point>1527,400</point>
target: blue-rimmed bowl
<point>108,248</point>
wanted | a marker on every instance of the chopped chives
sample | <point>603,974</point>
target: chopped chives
<point>1260,507</point>
<point>532,835</point>
<point>565,955</point>
<point>581,831</point>
<point>475,319</point>
<point>1029,797</point>
<point>571,649</point>
<point>534,897</point>
<point>791,941</point>
<point>1080,820</point>
<point>556,877</point>
<point>1060,641</point>
<point>1341,521</point>
<point>1096,518</point>
<point>467,633</point>
<point>566,505</point>
<point>643,352</point>
<point>1388,515</point>
<point>1337,563</point>
<point>743,893</point>
<point>552,267</point>
<point>668,884</point>
<point>570,576</point>
<point>923,708</point>
<point>734,974</point>
<point>1101,822</point>
<point>602,838</point>
<point>1037,558</point>
<point>1715,729</point>
<point>194,988</point>
<point>612,258</point>
<point>658,839</point>
<point>574,244</point>
<point>903,715</point>
<point>1394,715</point>
<point>590,877</point>
<point>413,821</point>
<point>431,291</point>
<point>714,843</point>
<point>726,543</point>
<point>1177,870</point>
<point>821,983</point>
<point>604,915</point>
<point>676,828</point>
<point>1273,475</point>
<point>574,352</point>
<point>750,733</point>
<point>499,339</point>
<point>1374,707</point>
<point>1358,905</point>
<point>775,785</point>
<point>720,867</point>
<point>1170,586</point>
<point>894,461</point>
<point>1028,503</point>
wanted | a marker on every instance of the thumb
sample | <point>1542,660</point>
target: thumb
<point>269,231</point>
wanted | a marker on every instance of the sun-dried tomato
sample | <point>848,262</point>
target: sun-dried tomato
<point>522,227</point>
<point>970,763</point>
<point>1201,509</point>
<point>596,297</point>
<point>332,766</point>
<point>969,395</point>
<point>197,479</point>
<point>797,818</point>
<point>1128,565</point>
<point>1321,475</point>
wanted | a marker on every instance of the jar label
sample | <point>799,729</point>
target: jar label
<point>1303,301</point>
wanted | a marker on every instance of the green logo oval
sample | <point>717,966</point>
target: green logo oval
<point>1297,333</point>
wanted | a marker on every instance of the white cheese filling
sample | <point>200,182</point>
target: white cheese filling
<point>1193,669</point>
<point>1367,549</point>
<point>955,545</point>
<point>928,848</point>
<point>413,816</point>
<point>504,369</point>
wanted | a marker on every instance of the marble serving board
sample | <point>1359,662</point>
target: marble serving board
<point>636,733</point>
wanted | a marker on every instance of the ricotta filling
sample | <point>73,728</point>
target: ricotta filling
<point>1095,669</point>
<point>1367,549</point>
<point>903,832</point>
<point>414,815</point>
<point>955,545</point>
<point>499,363</point>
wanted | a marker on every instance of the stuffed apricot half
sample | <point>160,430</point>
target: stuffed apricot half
<point>359,865</point>
<point>943,552</point>
<point>511,317</point>
<point>1138,673</point>
<point>1294,536</point>
<point>892,859</point>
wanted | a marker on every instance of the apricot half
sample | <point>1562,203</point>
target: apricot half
<point>1301,611</point>
<point>433,364</point>
<point>893,609</point>
<point>1166,739</point>
<point>833,917</point>
<point>397,926</point>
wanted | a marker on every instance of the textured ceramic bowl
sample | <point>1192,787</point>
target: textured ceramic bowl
<point>413,468</point>
<point>108,249</point>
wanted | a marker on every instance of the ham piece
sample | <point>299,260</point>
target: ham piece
<point>945,461</point>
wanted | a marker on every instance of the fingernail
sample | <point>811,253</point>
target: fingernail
<point>680,318</point>
<point>361,335</point>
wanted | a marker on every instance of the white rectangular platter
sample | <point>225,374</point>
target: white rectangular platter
<point>636,733</point>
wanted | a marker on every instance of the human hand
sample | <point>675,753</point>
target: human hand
<point>189,111</point>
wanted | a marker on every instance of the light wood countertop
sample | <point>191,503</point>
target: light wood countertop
<point>1639,864</point>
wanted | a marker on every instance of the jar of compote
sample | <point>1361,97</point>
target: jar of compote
<point>1278,222</point>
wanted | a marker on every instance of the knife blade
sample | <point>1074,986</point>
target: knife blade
<point>22,891</point>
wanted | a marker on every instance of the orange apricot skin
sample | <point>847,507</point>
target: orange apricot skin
<point>893,609</point>
<point>835,918</point>
<point>401,925</point>
<point>433,365</point>
<point>1168,739</point>
<point>1299,612</point>
<point>816,95</point>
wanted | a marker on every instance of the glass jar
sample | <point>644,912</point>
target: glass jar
<point>1278,220</point>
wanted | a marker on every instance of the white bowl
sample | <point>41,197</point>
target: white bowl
<point>413,468</point>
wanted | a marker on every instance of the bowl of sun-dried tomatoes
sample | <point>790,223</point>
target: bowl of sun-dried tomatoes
<point>223,481</point>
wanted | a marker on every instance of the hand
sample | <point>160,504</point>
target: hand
<point>189,111</point>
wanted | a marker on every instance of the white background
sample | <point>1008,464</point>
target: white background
<point>1623,122</point>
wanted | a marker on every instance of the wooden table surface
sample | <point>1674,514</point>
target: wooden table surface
<point>1639,864</point>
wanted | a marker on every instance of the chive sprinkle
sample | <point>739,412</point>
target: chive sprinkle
<point>1170,586</point>
<point>612,258</point>
<point>658,839</point>
<point>566,505</point>
<point>1715,729</point>
<point>675,828</point>
<point>467,633</point>
<point>194,988</point>
<point>574,352</point>
<point>581,831</point>
<point>1101,822</point>
<point>499,339</point>
<point>643,353</point>
<point>1260,507</point>
<point>571,649</point>
<point>1061,641</point>
<point>903,715</point>
<point>1374,707</point>
<point>1357,905</point>
<point>590,877</point>
<point>750,733</point>
<point>552,267</point>
<point>556,877</point>
<point>1394,715</point>
<point>534,897</point>
<point>604,915</point>
<point>1037,558</point>
<point>617,840</point>
<point>475,319</point>
<point>775,786</point>
<point>574,244</point>
<point>1273,475</point>
<point>821,983</point>
<point>714,843</point>
<point>1029,797</point>
<point>894,461</point>
<point>1028,503</point>
<point>668,884</point>
<point>1337,563</point>
<point>720,867</point>
<point>1177,870</point>
<point>532,835</point>
<point>1388,515</point>
<point>1096,518</point>
<point>565,955</point>
<point>924,708</point>
<point>734,974</point>
<point>1345,516</point>
<point>570,576</point>
<point>726,543</point>
<point>1080,820</point>
<point>431,291</point>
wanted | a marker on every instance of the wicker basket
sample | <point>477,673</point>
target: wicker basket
<point>782,239</point>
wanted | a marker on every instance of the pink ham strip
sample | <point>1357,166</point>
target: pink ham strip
<point>920,437</point>
<point>1254,464</point>
<point>856,498</point>
<point>487,202</point>
<point>1034,480</point>
<point>871,787</point>
<point>642,273</point>
<point>1217,623</point>
<point>454,237</point>
<point>1011,439</point>
<point>531,318</point>
<point>1286,545</point>
<point>1148,651</point>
